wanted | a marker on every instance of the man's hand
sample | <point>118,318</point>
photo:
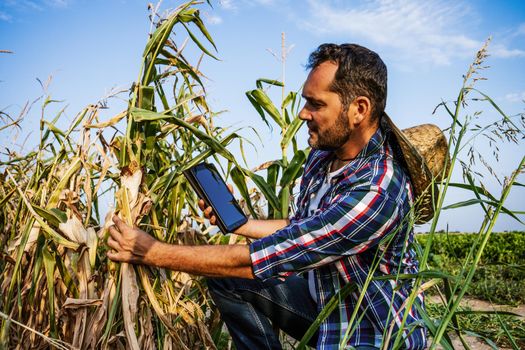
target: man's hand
<point>130,244</point>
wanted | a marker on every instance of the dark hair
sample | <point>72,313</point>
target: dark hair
<point>360,72</point>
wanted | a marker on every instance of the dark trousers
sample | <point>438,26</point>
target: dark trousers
<point>249,308</point>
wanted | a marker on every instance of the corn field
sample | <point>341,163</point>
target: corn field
<point>57,287</point>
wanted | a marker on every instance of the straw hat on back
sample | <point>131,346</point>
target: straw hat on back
<point>423,150</point>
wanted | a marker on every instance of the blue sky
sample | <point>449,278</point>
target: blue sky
<point>94,47</point>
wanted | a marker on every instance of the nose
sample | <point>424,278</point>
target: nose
<point>304,114</point>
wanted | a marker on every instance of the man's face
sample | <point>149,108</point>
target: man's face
<point>328,124</point>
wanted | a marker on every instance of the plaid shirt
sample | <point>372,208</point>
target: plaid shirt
<point>362,217</point>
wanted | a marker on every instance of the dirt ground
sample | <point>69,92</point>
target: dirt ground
<point>476,304</point>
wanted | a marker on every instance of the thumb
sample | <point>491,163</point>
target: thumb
<point>230,187</point>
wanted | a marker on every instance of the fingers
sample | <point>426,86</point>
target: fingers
<point>120,256</point>
<point>113,244</point>
<point>115,233</point>
<point>208,212</point>
<point>117,253</point>
<point>120,224</point>
<point>230,187</point>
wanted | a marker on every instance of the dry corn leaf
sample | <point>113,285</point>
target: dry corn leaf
<point>99,318</point>
<point>110,122</point>
<point>130,295</point>
<point>33,236</point>
<point>72,303</point>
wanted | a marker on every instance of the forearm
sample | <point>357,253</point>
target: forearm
<point>212,261</point>
<point>261,228</point>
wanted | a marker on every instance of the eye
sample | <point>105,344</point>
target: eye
<point>315,104</point>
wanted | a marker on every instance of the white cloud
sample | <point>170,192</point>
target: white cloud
<point>57,3</point>
<point>5,17</point>
<point>10,8</point>
<point>515,97</point>
<point>22,5</point>
<point>228,4</point>
<point>521,29</point>
<point>213,19</point>
<point>424,31</point>
<point>265,2</point>
<point>502,52</point>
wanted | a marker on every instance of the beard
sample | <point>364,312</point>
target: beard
<point>332,138</point>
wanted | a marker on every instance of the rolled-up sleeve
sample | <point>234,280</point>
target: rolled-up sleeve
<point>354,222</point>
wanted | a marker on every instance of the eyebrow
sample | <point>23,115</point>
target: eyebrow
<point>311,99</point>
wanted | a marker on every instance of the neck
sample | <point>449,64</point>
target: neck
<point>351,148</point>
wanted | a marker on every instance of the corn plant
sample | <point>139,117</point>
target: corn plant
<point>57,286</point>
<point>281,174</point>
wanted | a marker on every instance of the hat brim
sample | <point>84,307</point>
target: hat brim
<point>423,181</point>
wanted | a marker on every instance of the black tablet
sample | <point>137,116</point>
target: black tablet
<point>209,185</point>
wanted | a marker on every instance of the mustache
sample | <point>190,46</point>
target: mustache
<point>311,126</point>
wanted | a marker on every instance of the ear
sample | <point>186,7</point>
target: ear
<point>362,109</point>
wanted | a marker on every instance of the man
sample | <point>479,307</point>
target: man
<point>352,222</point>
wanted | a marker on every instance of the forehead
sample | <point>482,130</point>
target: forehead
<point>320,79</point>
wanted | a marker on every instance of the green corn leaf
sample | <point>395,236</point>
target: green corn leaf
<point>286,117</point>
<point>294,169</point>
<point>198,43</point>
<point>272,174</point>
<point>259,82</point>
<point>49,266</point>
<point>4,200</point>
<point>284,199</point>
<point>445,342</point>
<point>54,129</point>
<point>265,189</point>
<point>40,242</point>
<point>198,22</point>
<point>264,101</point>
<point>291,131</point>
<point>159,37</point>
<point>141,115</point>
<point>257,107</point>
<point>146,98</point>
<point>240,181</point>
<point>54,216</point>
<point>325,312</point>
<point>288,99</point>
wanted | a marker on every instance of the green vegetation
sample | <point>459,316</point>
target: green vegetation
<point>494,328</point>
<point>501,273</point>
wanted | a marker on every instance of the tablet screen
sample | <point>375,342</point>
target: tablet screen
<point>219,195</point>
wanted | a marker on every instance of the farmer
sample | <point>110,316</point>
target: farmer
<point>353,220</point>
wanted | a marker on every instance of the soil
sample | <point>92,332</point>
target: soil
<point>476,304</point>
